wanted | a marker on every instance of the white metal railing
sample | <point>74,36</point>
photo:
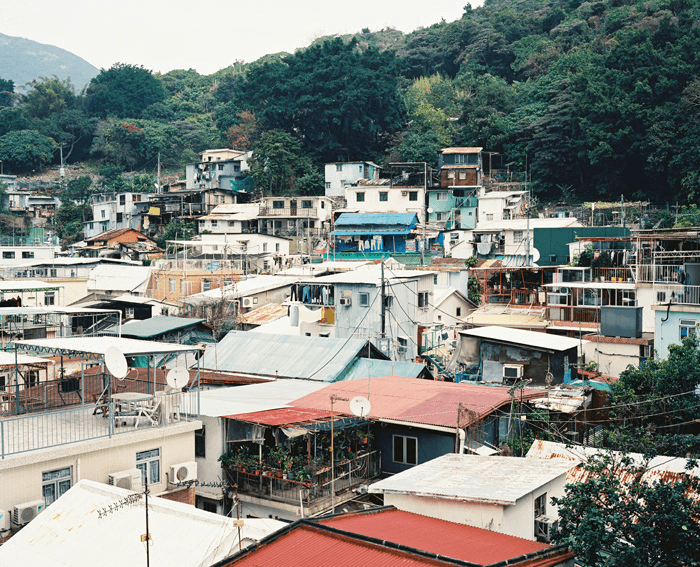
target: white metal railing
<point>211,265</point>
<point>676,294</point>
<point>650,273</point>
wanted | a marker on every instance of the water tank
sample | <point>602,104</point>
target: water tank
<point>619,321</point>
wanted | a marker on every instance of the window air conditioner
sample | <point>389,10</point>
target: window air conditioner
<point>183,472</point>
<point>512,372</point>
<point>401,349</point>
<point>404,193</point>
<point>345,301</point>
<point>247,302</point>
<point>129,480</point>
<point>25,513</point>
<point>545,528</point>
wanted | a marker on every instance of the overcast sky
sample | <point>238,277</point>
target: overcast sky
<point>205,35</point>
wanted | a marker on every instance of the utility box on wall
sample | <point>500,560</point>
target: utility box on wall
<point>619,321</point>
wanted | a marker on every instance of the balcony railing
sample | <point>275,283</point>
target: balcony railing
<point>209,265</point>
<point>574,315</point>
<point>622,274</point>
<point>676,294</point>
<point>287,212</point>
<point>270,484</point>
<point>655,273</point>
<point>35,431</point>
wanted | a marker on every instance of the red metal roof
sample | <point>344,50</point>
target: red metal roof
<point>448,539</point>
<point>306,546</point>
<point>281,416</point>
<point>419,401</point>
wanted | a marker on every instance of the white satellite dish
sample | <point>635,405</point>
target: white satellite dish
<point>116,363</point>
<point>430,210</point>
<point>360,406</point>
<point>178,377</point>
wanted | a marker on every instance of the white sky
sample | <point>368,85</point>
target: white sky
<point>205,35</point>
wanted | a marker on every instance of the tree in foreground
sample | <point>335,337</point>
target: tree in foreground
<point>618,518</point>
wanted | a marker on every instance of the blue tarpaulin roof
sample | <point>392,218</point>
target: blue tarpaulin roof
<point>398,231</point>
<point>376,219</point>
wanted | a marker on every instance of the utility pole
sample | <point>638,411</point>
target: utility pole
<point>158,190</point>
<point>425,217</point>
<point>383,302</point>
<point>527,230</point>
<point>622,210</point>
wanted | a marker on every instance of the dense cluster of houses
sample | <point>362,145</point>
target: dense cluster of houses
<point>345,373</point>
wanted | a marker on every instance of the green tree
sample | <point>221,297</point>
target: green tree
<point>78,190</point>
<point>278,162</point>
<point>69,221</point>
<point>48,96</point>
<point>26,150</point>
<point>176,230</point>
<point>618,519</point>
<point>12,118</point>
<point>124,91</point>
<point>133,143</point>
<point>7,89</point>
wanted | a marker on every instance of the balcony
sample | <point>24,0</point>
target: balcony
<point>676,294</point>
<point>287,212</point>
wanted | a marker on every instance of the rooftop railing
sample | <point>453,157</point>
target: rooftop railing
<point>676,294</point>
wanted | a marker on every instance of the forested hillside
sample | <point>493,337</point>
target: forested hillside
<point>596,98</point>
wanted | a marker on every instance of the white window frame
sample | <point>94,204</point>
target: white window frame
<point>403,457</point>
<point>518,236</point>
<point>60,479</point>
<point>441,196</point>
<point>540,505</point>
<point>363,299</point>
<point>148,462</point>
<point>687,328</point>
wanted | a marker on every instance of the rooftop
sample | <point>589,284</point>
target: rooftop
<point>522,224</point>
<point>243,288</point>
<point>533,339</point>
<point>155,326</point>
<point>95,347</point>
<point>490,480</point>
<point>283,356</point>
<point>460,150</point>
<point>265,314</point>
<point>74,533</point>
<point>372,274</point>
<point>400,399</point>
<point>373,219</point>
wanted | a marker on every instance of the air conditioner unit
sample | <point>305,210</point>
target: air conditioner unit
<point>512,371</point>
<point>404,193</point>
<point>130,480</point>
<point>345,301</point>
<point>183,472</point>
<point>25,513</point>
<point>401,349</point>
<point>247,302</point>
<point>545,528</point>
<point>5,523</point>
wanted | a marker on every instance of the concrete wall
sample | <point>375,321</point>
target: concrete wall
<point>612,358</point>
<point>209,467</point>
<point>519,521</point>
<point>21,475</point>
<point>338,174</point>
<point>535,363</point>
<point>398,199</point>
<point>450,306</point>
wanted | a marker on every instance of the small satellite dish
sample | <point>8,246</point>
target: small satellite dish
<point>360,406</point>
<point>430,210</point>
<point>116,363</point>
<point>178,377</point>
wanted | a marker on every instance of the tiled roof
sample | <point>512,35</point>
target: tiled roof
<point>616,340</point>
<point>448,539</point>
<point>264,314</point>
<point>112,234</point>
<point>417,401</point>
<point>460,150</point>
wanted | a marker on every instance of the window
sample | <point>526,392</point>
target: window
<point>221,167</point>
<point>199,445</point>
<point>264,246</point>
<point>489,216</point>
<point>155,283</point>
<point>128,312</point>
<point>458,312</point>
<point>104,213</point>
<point>363,299</point>
<point>236,166</point>
<point>206,285</point>
<point>183,283</point>
<point>434,279</point>
<point>120,216</point>
<point>8,255</point>
<point>450,174</point>
<point>148,462</point>
<point>312,224</point>
<point>413,195</point>
<point>405,450</point>
<point>324,335</point>
<point>541,505</point>
<point>50,298</point>
<point>383,195</point>
<point>359,197</point>
<point>27,254</point>
<point>323,204</point>
<point>517,236</point>
<point>687,328</point>
<point>172,282</point>
<point>462,175</point>
<point>278,204</point>
<point>422,299</point>
<point>55,483</point>
<point>277,247</point>
<point>328,184</point>
<point>439,216</point>
<point>339,167</point>
<point>441,196</point>
<point>122,199</point>
<point>306,204</point>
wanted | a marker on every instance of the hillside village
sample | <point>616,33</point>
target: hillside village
<point>416,358</point>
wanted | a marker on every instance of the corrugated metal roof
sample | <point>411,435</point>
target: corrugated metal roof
<point>147,328</point>
<point>494,480</point>
<point>448,539</point>
<point>376,219</point>
<point>384,230</point>
<point>282,356</point>
<point>306,546</point>
<point>264,314</point>
<point>99,345</point>
<point>522,224</point>
<point>71,532</point>
<point>281,416</point>
<point>543,341</point>
<point>473,150</point>
<point>667,469</point>
<point>8,359</point>
<point>417,401</point>
<point>506,320</point>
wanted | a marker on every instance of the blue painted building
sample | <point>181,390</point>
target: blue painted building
<point>673,324</point>
<point>456,207</point>
<point>374,235</point>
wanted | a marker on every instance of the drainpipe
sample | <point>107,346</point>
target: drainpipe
<point>462,437</point>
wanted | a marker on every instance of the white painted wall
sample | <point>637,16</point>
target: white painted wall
<point>398,199</point>
<point>612,358</point>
